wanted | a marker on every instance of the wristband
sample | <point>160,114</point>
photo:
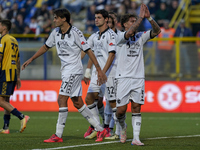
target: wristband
<point>87,73</point>
<point>150,18</point>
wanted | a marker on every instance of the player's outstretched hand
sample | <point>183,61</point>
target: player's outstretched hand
<point>26,64</point>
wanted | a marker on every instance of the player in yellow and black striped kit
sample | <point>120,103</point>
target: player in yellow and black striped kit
<point>9,75</point>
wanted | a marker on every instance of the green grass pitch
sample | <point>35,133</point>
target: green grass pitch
<point>159,131</point>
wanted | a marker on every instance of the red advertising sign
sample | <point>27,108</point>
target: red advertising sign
<point>160,96</point>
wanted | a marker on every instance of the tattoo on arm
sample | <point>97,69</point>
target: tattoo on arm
<point>155,29</point>
<point>134,27</point>
<point>97,66</point>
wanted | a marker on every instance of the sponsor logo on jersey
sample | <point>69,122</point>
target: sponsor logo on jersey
<point>13,62</point>
<point>62,44</point>
<point>132,54</point>
<point>111,44</point>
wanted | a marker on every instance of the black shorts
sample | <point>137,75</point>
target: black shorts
<point>7,88</point>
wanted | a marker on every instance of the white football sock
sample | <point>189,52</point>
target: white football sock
<point>87,114</point>
<point>62,116</point>
<point>136,124</point>
<point>94,110</point>
<point>118,126</point>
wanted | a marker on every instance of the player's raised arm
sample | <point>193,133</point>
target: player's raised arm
<point>41,51</point>
<point>132,30</point>
<point>155,27</point>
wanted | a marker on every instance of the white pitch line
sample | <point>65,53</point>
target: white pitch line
<point>94,144</point>
<point>144,118</point>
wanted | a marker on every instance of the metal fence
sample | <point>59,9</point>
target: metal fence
<point>181,62</point>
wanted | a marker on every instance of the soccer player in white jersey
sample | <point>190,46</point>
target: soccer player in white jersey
<point>69,42</point>
<point>108,115</point>
<point>110,110</point>
<point>130,70</point>
<point>103,45</point>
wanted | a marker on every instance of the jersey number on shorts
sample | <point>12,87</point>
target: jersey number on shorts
<point>111,90</point>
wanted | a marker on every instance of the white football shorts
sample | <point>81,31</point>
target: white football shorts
<point>130,89</point>
<point>110,92</point>
<point>71,85</point>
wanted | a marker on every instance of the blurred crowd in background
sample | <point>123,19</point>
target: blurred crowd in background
<point>35,16</point>
<point>31,18</point>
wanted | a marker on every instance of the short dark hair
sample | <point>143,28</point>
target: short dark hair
<point>63,13</point>
<point>103,12</point>
<point>125,18</point>
<point>7,23</point>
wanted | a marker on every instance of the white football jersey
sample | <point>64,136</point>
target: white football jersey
<point>130,55</point>
<point>102,46</point>
<point>69,46</point>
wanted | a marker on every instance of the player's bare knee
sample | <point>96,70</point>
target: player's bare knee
<point>135,108</point>
<point>77,105</point>
<point>89,100</point>
<point>78,102</point>
<point>112,103</point>
<point>62,101</point>
<point>120,112</point>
